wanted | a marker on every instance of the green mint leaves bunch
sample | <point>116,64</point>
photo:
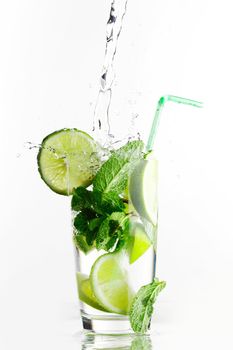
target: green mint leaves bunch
<point>102,220</point>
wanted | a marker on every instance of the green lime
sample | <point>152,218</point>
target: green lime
<point>143,189</point>
<point>110,283</point>
<point>139,242</point>
<point>67,159</point>
<point>85,292</point>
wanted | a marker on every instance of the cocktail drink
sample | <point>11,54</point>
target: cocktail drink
<point>114,203</point>
<point>114,218</point>
<point>114,232</point>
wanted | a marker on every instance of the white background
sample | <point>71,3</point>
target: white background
<point>51,53</point>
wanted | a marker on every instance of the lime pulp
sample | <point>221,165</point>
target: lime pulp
<point>140,242</point>
<point>110,285</point>
<point>85,291</point>
<point>67,159</point>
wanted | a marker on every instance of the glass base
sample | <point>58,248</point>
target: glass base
<point>106,324</point>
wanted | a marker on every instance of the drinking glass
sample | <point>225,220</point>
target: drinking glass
<point>108,281</point>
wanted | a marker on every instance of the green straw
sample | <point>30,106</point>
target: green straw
<point>160,105</point>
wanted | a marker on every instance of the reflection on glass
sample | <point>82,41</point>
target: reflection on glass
<point>116,342</point>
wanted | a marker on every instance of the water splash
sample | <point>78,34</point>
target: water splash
<point>86,161</point>
<point>31,145</point>
<point>101,123</point>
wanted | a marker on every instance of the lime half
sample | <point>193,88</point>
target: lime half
<point>143,189</point>
<point>67,159</point>
<point>110,285</point>
<point>139,242</point>
<point>85,292</point>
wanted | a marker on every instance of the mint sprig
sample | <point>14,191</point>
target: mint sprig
<point>142,307</point>
<point>113,174</point>
<point>101,219</point>
<point>100,203</point>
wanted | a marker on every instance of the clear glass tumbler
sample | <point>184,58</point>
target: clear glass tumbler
<point>109,273</point>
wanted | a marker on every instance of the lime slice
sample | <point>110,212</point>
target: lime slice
<point>67,159</point>
<point>143,189</point>
<point>109,284</point>
<point>85,292</point>
<point>139,243</point>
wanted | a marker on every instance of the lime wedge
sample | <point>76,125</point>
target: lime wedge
<point>143,189</point>
<point>85,292</point>
<point>67,159</point>
<point>139,243</point>
<point>109,284</point>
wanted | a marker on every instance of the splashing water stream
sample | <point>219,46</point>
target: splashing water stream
<point>101,123</point>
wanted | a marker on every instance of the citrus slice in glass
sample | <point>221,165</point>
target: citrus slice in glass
<point>143,189</point>
<point>85,292</point>
<point>67,159</point>
<point>110,285</point>
<point>139,242</point>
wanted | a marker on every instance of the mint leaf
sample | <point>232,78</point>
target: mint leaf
<point>108,232</point>
<point>102,203</point>
<point>84,237</point>
<point>107,203</point>
<point>123,235</point>
<point>141,343</point>
<point>81,243</point>
<point>81,222</point>
<point>113,174</point>
<point>141,309</point>
<point>95,223</point>
<point>82,219</point>
<point>81,199</point>
<point>90,237</point>
<point>93,227</point>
